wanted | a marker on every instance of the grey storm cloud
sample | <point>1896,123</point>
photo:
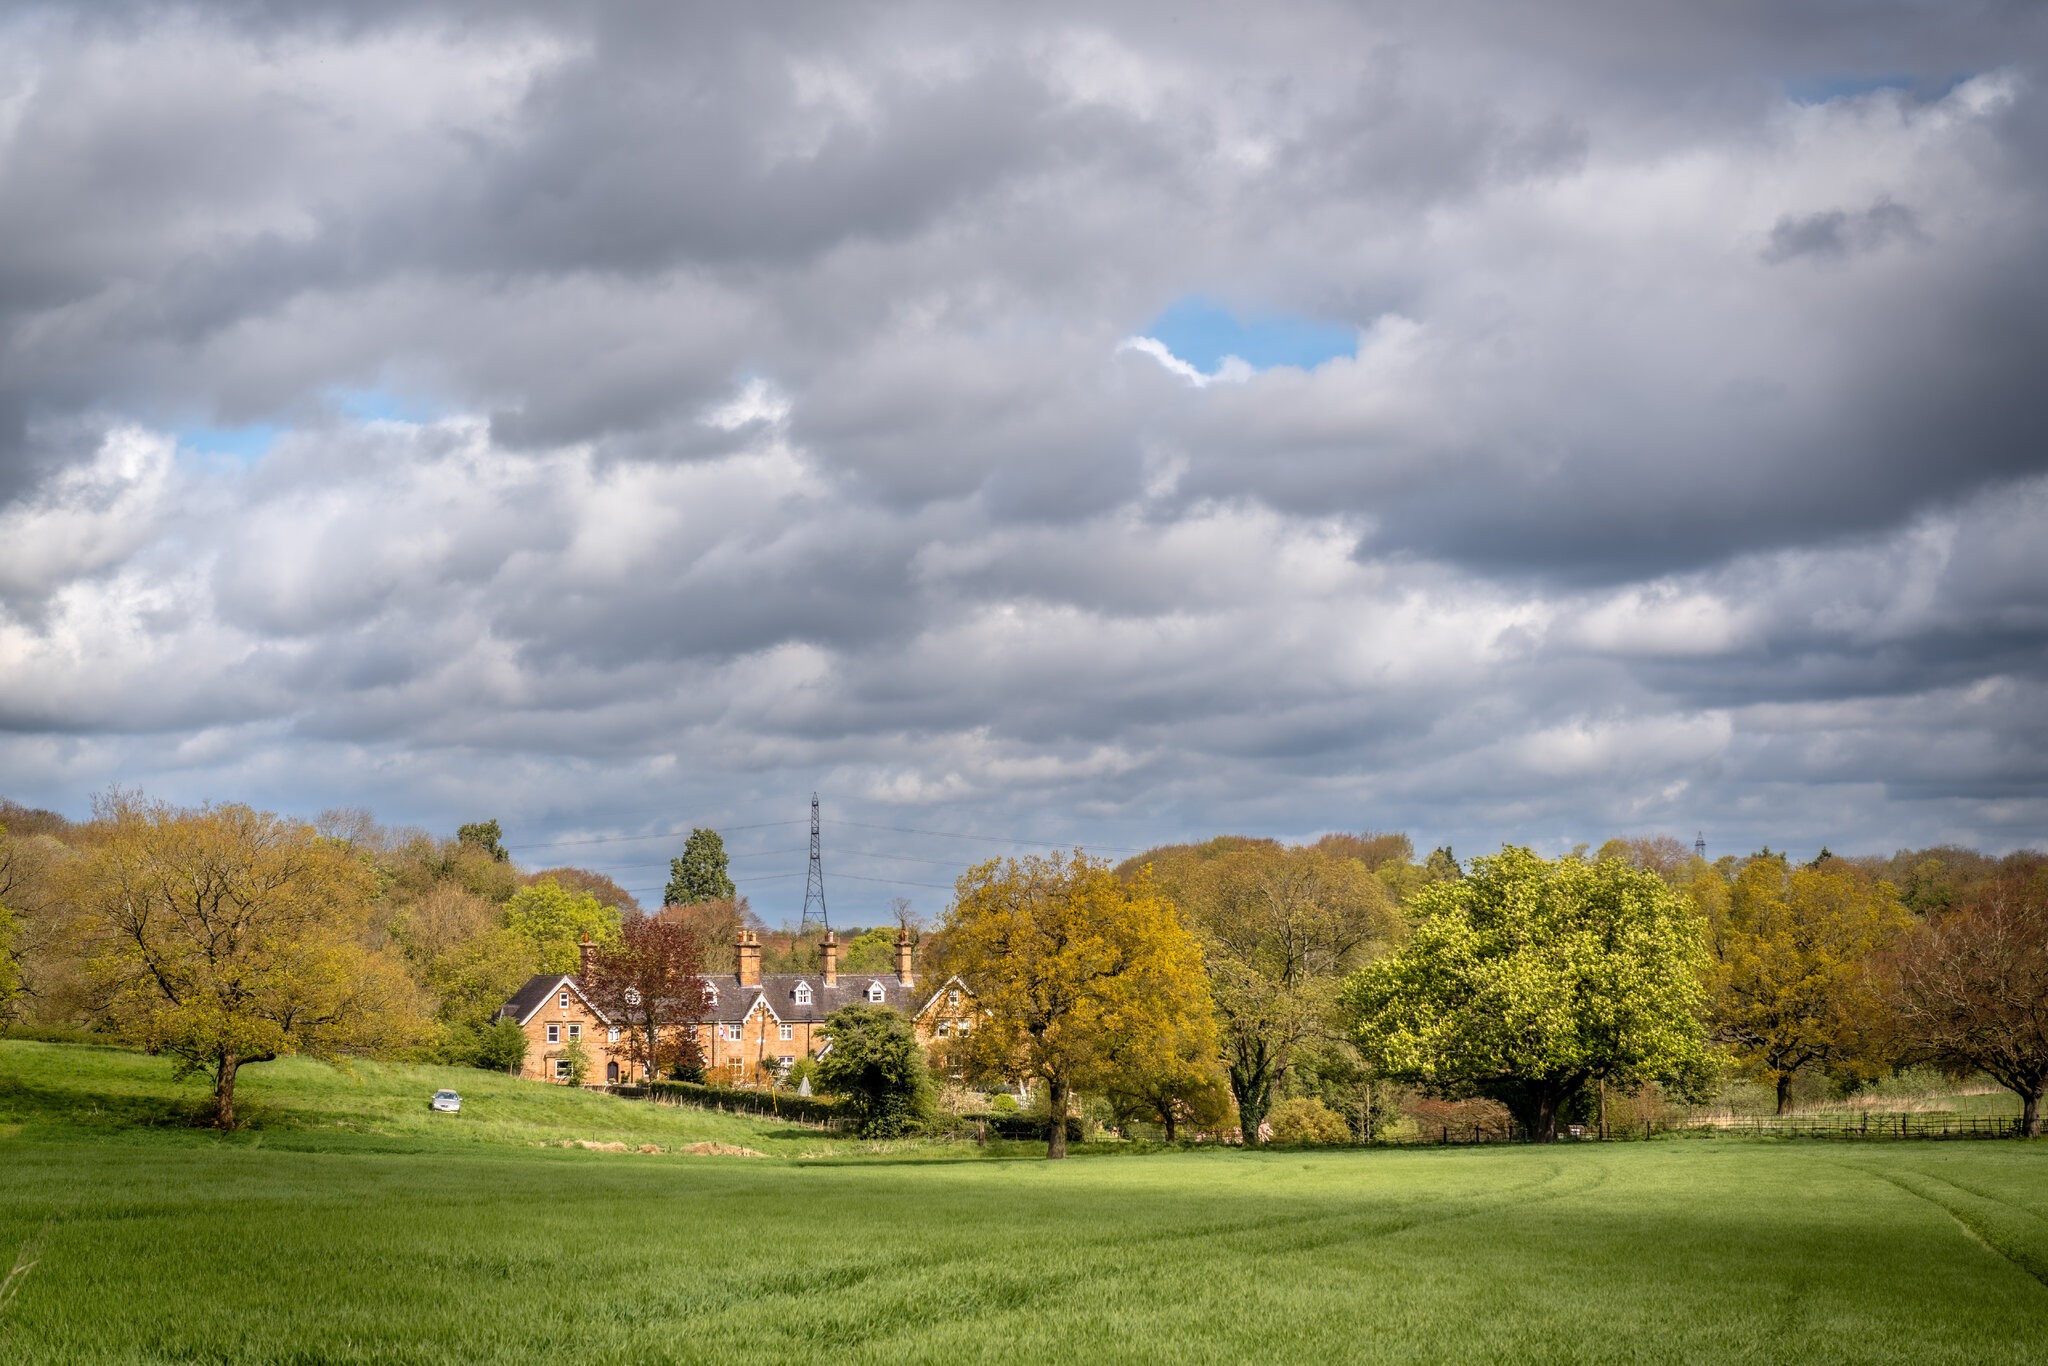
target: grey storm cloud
<point>650,413</point>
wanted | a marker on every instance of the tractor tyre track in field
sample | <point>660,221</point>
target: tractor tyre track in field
<point>2002,1228</point>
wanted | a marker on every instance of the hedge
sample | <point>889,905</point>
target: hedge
<point>810,1109</point>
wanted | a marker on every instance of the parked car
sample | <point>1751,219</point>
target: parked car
<point>447,1101</point>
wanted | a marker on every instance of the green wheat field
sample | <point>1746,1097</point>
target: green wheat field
<point>347,1224</point>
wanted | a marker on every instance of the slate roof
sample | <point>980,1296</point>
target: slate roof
<point>778,990</point>
<point>537,992</point>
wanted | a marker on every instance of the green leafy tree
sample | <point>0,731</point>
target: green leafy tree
<point>1280,927</point>
<point>1442,865</point>
<point>225,936</point>
<point>485,835</point>
<point>870,951</point>
<point>555,920</point>
<point>875,1064</point>
<point>578,1058</point>
<point>502,1047</point>
<point>1794,986</point>
<point>1526,979</point>
<point>701,873</point>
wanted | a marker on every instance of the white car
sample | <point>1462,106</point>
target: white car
<point>446,1101</point>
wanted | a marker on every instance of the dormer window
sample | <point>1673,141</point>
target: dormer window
<point>876,992</point>
<point>712,993</point>
<point>802,994</point>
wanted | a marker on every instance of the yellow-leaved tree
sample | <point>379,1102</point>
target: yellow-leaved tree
<point>1793,982</point>
<point>226,936</point>
<point>1071,968</point>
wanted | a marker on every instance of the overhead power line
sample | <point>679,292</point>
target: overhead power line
<point>658,835</point>
<point>992,839</point>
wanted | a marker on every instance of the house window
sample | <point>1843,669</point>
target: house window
<point>563,1000</point>
<point>575,1032</point>
<point>785,1062</point>
<point>803,993</point>
<point>789,1031</point>
<point>945,1028</point>
<point>953,999</point>
<point>730,1033</point>
<point>562,1072</point>
<point>554,1033</point>
<point>612,1035</point>
<point>876,993</point>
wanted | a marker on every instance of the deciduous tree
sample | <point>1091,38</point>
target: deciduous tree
<point>1970,990</point>
<point>1525,979</point>
<point>651,984</point>
<point>1065,959</point>
<point>556,921</point>
<point>1280,928</point>
<point>485,835</point>
<point>225,936</point>
<point>1792,982</point>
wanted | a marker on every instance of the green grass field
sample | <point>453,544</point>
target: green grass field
<point>348,1229</point>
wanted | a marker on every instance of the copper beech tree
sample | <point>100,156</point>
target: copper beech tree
<point>651,983</point>
<point>226,936</point>
<point>1066,962</point>
<point>1970,990</point>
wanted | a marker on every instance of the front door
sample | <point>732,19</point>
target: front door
<point>611,1073</point>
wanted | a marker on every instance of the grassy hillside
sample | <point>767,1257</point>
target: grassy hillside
<point>70,1087</point>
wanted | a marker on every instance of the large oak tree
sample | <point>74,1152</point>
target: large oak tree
<point>1793,958</point>
<point>1065,960</point>
<point>225,936</point>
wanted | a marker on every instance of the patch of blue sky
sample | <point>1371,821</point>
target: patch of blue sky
<point>246,444</point>
<point>1203,332</point>
<point>1821,89</point>
<point>379,405</point>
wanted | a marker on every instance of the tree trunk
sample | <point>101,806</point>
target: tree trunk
<point>224,1091</point>
<point>1543,1124</point>
<point>1056,1111</point>
<point>1784,1091</point>
<point>1167,1117</point>
<point>1254,1102</point>
<point>2030,1114</point>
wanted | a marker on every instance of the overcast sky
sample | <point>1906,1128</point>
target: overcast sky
<point>1096,424</point>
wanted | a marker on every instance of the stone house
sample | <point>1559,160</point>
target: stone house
<point>754,1022</point>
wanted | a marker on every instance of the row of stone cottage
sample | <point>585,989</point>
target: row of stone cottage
<point>752,1019</point>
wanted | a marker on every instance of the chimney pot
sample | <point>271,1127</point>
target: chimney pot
<point>903,973</point>
<point>828,954</point>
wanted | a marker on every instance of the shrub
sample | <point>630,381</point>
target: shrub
<point>876,1066</point>
<point>502,1047</point>
<point>1307,1121</point>
<point>1003,1104</point>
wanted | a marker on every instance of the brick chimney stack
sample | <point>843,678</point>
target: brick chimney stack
<point>829,955</point>
<point>589,951</point>
<point>903,958</point>
<point>750,959</point>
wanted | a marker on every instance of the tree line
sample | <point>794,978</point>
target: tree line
<point>1300,988</point>
<point>1235,983</point>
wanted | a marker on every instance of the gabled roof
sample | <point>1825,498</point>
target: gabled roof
<point>950,984</point>
<point>732,1002</point>
<point>539,990</point>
